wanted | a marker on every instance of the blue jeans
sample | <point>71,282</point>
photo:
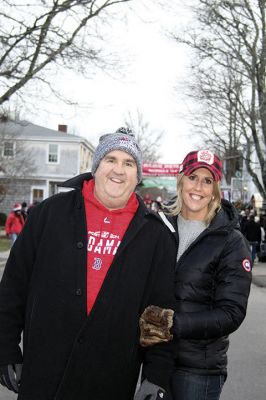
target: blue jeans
<point>253,247</point>
<point>188,386</point>
<point>13,238</point>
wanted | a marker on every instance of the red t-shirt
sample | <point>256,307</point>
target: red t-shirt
<point>105,231</point>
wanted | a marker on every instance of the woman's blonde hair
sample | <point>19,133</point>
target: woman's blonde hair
<point>213,206</point>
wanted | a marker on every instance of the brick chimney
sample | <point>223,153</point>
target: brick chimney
<point>62,128</point>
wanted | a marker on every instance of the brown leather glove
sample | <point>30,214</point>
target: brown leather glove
<point>155,324</point>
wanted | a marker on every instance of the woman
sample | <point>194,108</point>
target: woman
<point>212,283</point>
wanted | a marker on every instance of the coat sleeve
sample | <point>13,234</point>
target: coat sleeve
<point>14,290</point>
<point>158,361</point>
<point>230,295</point>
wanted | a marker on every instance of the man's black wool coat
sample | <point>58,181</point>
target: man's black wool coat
<point>68,355</point>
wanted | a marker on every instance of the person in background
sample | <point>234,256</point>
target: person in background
<point>252,232</point>
<point>157,204</point>
<point>244,217</point>
<point>212,281</point>
<point>147,200</point>
<point>261,250</point>
<point>85,266</point>
<point>24,210</point>
<point>35,203</point>
<point>259,220</point>
<point>14,223</point>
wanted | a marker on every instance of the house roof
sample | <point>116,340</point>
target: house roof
<point>27,130</point>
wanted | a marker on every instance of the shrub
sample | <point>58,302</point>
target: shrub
<point>2,219</point>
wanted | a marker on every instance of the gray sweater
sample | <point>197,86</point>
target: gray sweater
<point>188,231</point>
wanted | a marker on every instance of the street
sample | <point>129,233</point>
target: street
<point>247,355</point>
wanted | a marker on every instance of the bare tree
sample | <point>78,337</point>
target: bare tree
<point>217,123</point>
<point>229,40</point>
<point>16,161</point>
<point>58,33</point>
<point>148,138</point>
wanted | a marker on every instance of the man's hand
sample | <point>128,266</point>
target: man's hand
<point>10,376</point>
<point>155,324</point>
<point>149,391</point>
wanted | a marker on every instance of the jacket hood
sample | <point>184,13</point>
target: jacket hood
<point>77,181</point>
<point>226,217</point>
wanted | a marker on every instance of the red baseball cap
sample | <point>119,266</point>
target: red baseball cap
<point>202,159</point>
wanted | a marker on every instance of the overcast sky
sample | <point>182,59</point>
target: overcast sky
<point>155,66</point>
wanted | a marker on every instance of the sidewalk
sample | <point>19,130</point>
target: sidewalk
<point>258,272</point>
<point>3,258</point>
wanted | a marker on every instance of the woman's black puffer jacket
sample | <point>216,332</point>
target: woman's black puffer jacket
<point>212,285</point>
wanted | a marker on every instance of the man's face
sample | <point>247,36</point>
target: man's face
<point>115,179</point>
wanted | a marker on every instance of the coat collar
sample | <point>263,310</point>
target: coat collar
<point>77,183</point>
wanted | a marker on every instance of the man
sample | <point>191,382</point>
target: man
<point>85,266</point>
<point>252,232</point>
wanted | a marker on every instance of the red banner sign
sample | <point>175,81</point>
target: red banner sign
<point>160,169</point>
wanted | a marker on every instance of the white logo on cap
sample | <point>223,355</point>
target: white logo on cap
<point>206,156</point>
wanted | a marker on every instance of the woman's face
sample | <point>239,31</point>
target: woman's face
<point>197,192</point>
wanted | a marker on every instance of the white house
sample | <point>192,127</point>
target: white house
<point>34,161</point>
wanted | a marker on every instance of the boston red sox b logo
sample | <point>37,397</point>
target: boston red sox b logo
<point>97,264</point>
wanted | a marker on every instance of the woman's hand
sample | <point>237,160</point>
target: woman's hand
<point>155,324</point>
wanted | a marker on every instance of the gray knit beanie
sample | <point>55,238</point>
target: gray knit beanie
<point>123,140</point>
